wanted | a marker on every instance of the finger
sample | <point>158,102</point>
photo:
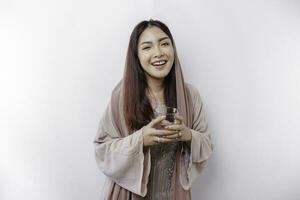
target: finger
<point>175,127</point>
<point>157,139</point>
<point>157,120</point>
<point>174,136</point>
<point>176,121</point>
<point>164,132</point>
<point>179,118</point>
<point>165,122</point>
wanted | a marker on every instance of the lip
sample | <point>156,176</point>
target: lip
<point>160,66</point>
<point>159,61</point>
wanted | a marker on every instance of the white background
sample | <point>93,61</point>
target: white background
<point>60,59</point>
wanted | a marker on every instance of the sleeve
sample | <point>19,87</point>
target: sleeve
<point>194,156</point>
<point>123,160</point>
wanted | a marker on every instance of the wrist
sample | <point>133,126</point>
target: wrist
<point>189,139</point>
<point>189,133</point>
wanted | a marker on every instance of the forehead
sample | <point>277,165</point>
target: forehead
<point>152,34</point>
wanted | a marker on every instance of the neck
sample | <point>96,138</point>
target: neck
<point>156,85</point>
<point>156,90</point>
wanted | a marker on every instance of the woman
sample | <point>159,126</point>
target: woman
<point>140,161</point>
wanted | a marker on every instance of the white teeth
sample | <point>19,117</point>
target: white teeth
<point>159,62</point>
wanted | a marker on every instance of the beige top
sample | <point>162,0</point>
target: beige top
<point>127,163</point>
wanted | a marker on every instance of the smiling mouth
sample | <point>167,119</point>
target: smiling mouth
<point>159,63</point>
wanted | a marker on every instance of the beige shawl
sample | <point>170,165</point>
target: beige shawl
<point>122,158</point>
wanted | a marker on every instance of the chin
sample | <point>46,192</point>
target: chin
<point>160,75</point>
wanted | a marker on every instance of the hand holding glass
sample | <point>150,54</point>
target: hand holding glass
<point>169,112</point>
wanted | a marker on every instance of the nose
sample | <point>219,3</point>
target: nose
<point>158,53</point>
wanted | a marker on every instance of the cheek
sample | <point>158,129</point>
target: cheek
<point>140,57</point>
<point>170,52</point>
<point>171,57</point>
<point>144,58</point>
<point>143,62</point>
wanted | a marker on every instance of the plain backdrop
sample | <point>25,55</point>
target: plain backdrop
<point>60,60</point>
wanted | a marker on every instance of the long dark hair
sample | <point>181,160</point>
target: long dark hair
<point>137,108</point>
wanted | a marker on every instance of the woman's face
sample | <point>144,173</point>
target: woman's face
<point>155,52</point>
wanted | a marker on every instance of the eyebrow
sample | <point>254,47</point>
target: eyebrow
<point>160,39</point>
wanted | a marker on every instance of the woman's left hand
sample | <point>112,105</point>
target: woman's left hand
<point>184,132</point>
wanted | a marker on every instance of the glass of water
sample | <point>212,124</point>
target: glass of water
<point>169,112</point>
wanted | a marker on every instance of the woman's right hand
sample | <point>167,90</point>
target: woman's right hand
<point>152,136</point>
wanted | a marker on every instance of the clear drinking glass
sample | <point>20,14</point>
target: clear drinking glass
<point>169,112</point>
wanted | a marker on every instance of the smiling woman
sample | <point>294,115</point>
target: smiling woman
<point>141,158</point>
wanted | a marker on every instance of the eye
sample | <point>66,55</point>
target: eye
<point>165,44</point>
<point>146,48</point>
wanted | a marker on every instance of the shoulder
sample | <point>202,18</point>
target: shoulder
<point>191,88</point>
<point>117,90</point>
<point>195,94</point>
